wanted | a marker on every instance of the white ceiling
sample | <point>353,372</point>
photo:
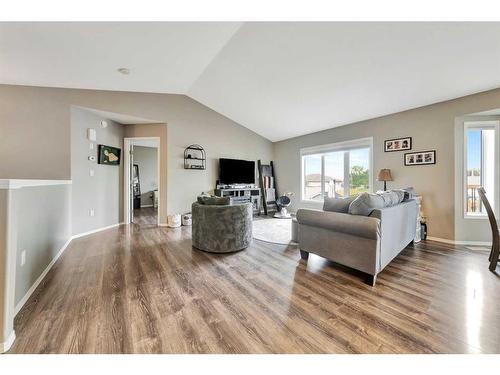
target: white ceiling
<point>162,56</point>
<point>278,79</point>
<point>121,118</point>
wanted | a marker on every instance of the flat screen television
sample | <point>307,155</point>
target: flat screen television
<point>233,171</point>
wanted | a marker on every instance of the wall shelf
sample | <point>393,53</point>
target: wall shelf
<point>195,157</point>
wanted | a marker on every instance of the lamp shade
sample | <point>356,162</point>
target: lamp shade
<point>384,175</point>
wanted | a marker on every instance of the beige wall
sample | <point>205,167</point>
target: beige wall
<point>432,127</point>
<point>35,135</point>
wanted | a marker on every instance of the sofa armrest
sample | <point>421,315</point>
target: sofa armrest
<point>362,226</point>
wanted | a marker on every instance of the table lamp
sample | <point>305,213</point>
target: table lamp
<point>385,175</point>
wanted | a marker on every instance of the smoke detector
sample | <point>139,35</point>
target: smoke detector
<point>124,71</point>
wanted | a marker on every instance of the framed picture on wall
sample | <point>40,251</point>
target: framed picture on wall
<point>420,158</point>
<point>109,155</point>
<point>398,144</point>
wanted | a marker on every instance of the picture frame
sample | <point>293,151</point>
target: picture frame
<point>109,155</point>
<point>420,158</point>
<point>398,144</point>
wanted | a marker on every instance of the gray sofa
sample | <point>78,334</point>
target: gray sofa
<point>365,243</point>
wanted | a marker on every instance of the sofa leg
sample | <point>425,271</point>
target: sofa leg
<point>304,254</point>
<point>371,279</point>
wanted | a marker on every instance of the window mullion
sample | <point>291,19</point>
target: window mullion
<point>347,187</point>
<point>322,176</point>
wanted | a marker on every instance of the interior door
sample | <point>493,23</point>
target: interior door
<point>131,182</point>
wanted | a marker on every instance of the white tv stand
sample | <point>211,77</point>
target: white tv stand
<point>239,194</point>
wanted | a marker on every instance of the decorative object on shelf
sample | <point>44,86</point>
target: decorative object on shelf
<point>398,144</point>
<point>385,175</point>
<point>420,158</point>
<point>283,202</point>
<point>267,182</point>
<point>423,230</point>
<point>420,217</point>
<point>194,157</point>
<point>109,155</point>
<point>174,221</point>
<point>187,219</point>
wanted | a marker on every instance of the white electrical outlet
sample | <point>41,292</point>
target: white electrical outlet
<point>23,258</point>
<point>91,212</point>
<point>91,173</point>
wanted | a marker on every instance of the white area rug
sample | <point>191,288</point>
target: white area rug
<point>273,230</point>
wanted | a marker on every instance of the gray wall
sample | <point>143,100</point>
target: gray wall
<point>36,121</point>
<point>103,192</point>
<point>432,128</point>
<point>43,227</point>
<point>7,265</point>
<point>147,160</point>
<point>37,220</point>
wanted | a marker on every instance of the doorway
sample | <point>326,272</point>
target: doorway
<point>142,180</point>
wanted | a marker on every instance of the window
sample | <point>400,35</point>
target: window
<point>336,170</point>
<point>480,162</point>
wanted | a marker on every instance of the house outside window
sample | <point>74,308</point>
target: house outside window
<point>480,166</point>
<point>336,170</point>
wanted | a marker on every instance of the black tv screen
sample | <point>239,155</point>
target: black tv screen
<point>233,171</point>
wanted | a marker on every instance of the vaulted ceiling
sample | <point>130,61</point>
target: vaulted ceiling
<point>278,79</point>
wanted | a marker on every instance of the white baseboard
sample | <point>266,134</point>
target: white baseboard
<point>453,242</point>
<point>95,231</point>
<point>30,291</point>
<point>5,346</point>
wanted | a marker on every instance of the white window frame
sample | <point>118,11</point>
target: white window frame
<point>332,147</point>
<point>488,124</point>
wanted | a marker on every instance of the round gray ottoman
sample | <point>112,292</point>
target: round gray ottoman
<point>222,229</point>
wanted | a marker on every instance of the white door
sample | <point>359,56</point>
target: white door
<point>131,181</point>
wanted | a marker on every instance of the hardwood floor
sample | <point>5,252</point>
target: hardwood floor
<point>143,289</point>
<point>146,216</point>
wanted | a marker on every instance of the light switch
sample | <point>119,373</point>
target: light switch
<point>91,134</point>
<point>91,212</point>
<point>91,146</point>
<point>91,173</point>
<point>23,258</point>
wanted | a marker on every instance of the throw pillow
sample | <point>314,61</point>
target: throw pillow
<point>337,204</point>
<point>214,201</point>
<point>365,203</point>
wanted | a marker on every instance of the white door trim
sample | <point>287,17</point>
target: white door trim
<point>127,142</point>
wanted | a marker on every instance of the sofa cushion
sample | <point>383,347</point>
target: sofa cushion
<point>366,227</point>
<point>365,203</point>
<point>213,201</point>
<point>337,204</point>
